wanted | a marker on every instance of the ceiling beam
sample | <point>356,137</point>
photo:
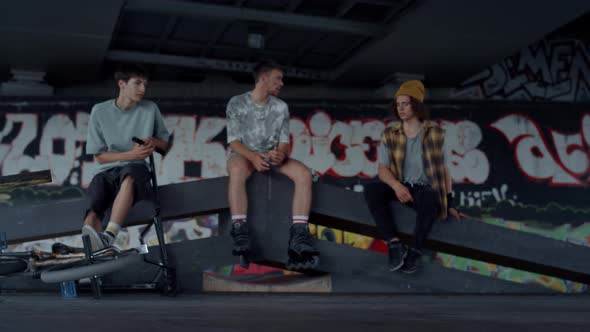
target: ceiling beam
<point>216,34</point>
<point>219,31</point>
<point>347,53</point>
<point>345,61</point>
<point>207,63</point>
<point>194,9</point>
<point>195,45</point>
<point>305,49</point>
<point>345,8</point>
<point>168,30</point>
<point>312,42</point>
<point>268,53</point>
<point>389,3</point>
<point>293,5</point>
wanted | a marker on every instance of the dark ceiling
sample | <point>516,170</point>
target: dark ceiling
<point>342,42</point>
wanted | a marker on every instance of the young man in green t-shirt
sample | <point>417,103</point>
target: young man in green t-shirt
<point>121,177</point>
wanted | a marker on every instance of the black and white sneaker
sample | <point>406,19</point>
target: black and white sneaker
<point>98,240</point>
<point>412,261</point>
<point>397,254</point>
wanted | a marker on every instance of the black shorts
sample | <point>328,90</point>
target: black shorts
<point>105,185</point>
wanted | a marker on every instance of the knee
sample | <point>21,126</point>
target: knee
<point>129,180</point>
<point>303,176</point>
<point>238,171</point>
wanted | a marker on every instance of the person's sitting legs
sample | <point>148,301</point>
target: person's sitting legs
<point>427,206</point>
<point>239,170</point>
<point>302,253</point>
<point>121,186</point>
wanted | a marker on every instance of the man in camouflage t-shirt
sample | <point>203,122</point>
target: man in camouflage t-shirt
<point>260,128</point>
<point>258,136</point>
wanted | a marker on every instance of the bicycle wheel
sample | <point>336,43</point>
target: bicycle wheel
<point>12,266</point>
<point>97,269</point>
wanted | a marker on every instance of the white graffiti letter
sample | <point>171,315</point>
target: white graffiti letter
<point>571,152</point>
<point>532,155</point>
<point>59,127</point>
<point>466,163</point>
<point>15,159</point>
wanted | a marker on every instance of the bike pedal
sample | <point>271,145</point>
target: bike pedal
<point>244,261</point>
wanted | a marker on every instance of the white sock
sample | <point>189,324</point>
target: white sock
<point>112,230</point>
<point>300,219</point>
<point>238,217</point>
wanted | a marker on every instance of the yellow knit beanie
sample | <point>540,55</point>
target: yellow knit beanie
<point>413,88</point>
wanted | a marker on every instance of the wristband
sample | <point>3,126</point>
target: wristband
<point>450,201</point>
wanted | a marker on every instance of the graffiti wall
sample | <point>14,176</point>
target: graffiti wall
<point>527,164</point>
<point>501,155</point>
<point>549,70</point>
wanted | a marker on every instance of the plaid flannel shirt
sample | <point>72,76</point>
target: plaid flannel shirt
<point>433,138</point>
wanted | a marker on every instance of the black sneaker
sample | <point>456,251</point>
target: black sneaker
<point>412,261</point>
<point>397,253</point>
<point>239,233</point>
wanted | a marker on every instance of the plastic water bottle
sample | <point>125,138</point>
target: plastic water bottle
<point>3,242</point>
<point>68,289</point>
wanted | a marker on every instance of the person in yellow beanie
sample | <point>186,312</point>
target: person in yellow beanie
<point>412,171</point>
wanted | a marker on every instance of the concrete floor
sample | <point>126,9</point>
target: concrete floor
<point>286,312</point>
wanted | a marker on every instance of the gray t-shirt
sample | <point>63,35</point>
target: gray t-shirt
<point>110,129</point>
<point>259,127</point>
<point>413,171</point>
<point>413,168</point>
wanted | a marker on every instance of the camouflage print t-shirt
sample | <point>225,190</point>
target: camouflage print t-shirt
<point>259,127</point>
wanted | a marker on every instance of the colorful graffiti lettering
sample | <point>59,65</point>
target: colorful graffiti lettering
<point>579,235</point>
<point>340,147</point>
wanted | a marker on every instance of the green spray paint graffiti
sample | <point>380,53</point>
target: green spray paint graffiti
<point>578,235</point>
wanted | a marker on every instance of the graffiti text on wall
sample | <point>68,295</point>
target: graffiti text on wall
<point>568,165</point>
<point>550,70</point>
<point>340,148</point>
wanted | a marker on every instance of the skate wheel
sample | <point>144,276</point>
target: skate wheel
<point>293,265</point>
<point>315,261</point>
<point>244,262</point>
<point>290,266</point>
<point>311,263</point>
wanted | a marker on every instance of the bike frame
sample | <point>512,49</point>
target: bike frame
<point>165,271</point>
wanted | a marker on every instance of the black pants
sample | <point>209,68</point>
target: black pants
<point>379,197</point>
<point>105,185</point>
